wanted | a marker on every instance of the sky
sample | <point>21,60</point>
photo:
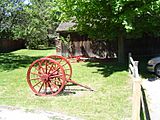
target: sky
<point>26,1</point>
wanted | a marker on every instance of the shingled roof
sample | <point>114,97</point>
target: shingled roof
<point>65,26</point>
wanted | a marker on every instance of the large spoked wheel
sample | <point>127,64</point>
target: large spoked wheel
<point>157,70</point>
<point>46,77</point>
<point>64,63</point>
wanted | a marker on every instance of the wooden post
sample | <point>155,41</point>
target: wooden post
<point>136,100</point>
<point>136,93</point>
<point>136,74</point>
<point>129,62</point>
<point>136,103</point>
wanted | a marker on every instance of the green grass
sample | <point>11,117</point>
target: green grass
<point>111,99</point>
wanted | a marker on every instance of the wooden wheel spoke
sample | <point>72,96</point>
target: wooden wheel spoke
<point>35,79</point>
<point>56,80</point>
<point>67,69</point>
<point>45,89</point>
<point>38,70</point>
<point>37,83</point>
<point>59,76</point>
<point>67,74</point>
<point>64,64</point>
<point>46,64</point>
<point>35,73</point>
<point>60,61</point>
<point>55,86</point>
<point>40,88</point>
<point>40,66</point>
<point>50,87</point>
<point>50,68</point>
<point>55,70</point>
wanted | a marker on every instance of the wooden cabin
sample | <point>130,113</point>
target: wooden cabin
<point>71,43</point>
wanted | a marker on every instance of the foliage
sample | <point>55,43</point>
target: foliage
<point>41,18</point>
<point>30,21</point>
<point>113,18</point>
<point>10,17</point>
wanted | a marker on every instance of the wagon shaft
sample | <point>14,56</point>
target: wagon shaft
<point>74,82</point>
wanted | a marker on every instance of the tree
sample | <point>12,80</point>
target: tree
<point>30,21</point>
<point>10,17</point>
<point>113,19</point>
<point>40,17</point>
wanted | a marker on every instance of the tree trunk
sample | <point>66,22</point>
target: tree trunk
<point>121,50</point>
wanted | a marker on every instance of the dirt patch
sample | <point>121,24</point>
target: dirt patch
<point>13,113</point>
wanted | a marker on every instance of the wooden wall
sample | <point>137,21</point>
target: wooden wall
<point>146,46</point>
<point>11,45</point>
<point>81,45</point>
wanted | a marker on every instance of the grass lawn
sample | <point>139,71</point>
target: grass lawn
<point>111,99</point>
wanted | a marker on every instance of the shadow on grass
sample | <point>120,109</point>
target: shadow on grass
<point>11,61</point>
<point>108,66</point>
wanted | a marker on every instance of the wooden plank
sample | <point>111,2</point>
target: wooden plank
<point>131,60</point>
<point>136,99</point>
<point>131,69</point>
<point>136,74</point>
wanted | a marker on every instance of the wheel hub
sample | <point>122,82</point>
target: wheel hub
<point>45,77</point>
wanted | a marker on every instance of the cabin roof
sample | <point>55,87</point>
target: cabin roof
<point>66,26</point>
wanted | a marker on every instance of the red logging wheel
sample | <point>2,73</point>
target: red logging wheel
<point>46,77</point>
<point>64,63</point>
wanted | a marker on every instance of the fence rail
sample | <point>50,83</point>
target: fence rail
<point>139,105</point>
<point>133,69</point>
